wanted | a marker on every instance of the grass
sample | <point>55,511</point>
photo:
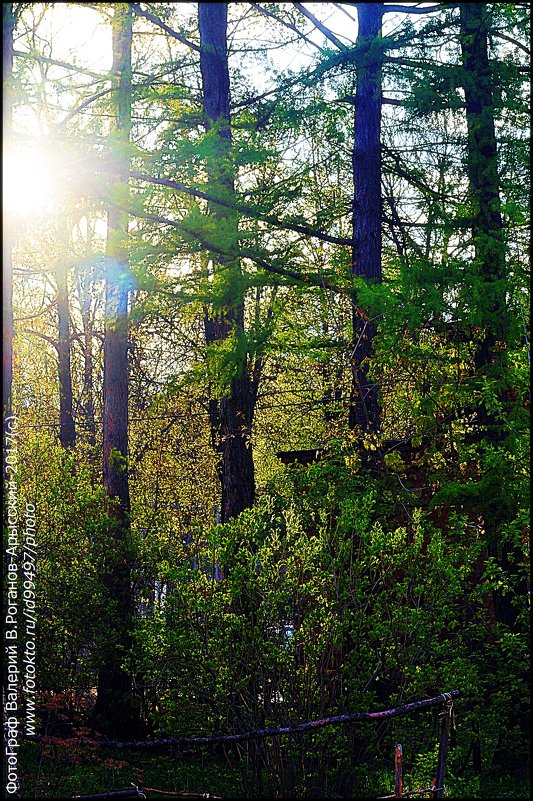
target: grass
<point>62,769</point>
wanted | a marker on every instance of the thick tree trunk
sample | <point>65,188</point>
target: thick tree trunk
<point>67,431</point>
<point>83,281</point>
<point>489,261</point>
<point>484,181</point>
<point>8,25</point>
<point>88,376</point>
<point>231,419</point>
<point>364,413</point>
<point>115,708</point>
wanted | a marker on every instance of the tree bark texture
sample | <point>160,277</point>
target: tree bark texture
<point>87,415</point>
<point>232,416</point>
<point>88,376</point>
<point>364,413</point>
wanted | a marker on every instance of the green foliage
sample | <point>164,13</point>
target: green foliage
<point>73,548</point>
<point>328,606</point>
<point>337,591</point>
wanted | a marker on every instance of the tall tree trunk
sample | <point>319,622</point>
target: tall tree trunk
<point>83,281</point>
<point>115,708</point>
<point>484,182</point>
<point>364,413</point>
<point>232,417</point>
<point>489,260</point>
<point>67,431</point>
<point>8,26</point>
<point>88,375</point>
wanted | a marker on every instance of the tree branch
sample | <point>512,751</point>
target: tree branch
<point>510,39</point>
<point>386,101</point>
<point>63,64</point>
<point>287,25</point>
<point>321,27</point>
<point>245,253</point>
<point>405,709</point>
<point>160,24</point>
<point>246,210</point>
<point>37,314</point>
<point>42,336</point>
<point>411,10</point>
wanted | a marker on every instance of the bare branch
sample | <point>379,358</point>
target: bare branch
<point>321,27</point>
<point>63,64</point>
<point>42,336</point>
<point>406,709</point>
<point>160,24</point>
<point>512,41</point>
<point>37,314</point>
<point>287,25</point>
<point>339,7</point>
<point>411,9</point>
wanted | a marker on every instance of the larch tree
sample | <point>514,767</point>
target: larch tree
<point>364,413</point>
<point>490,273</point>
<point>231,415</point>
<point>484,195</point>
<point>115,705</point>
<point>67,429</point>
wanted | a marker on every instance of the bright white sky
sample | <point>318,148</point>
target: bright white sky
<point>82,37</point>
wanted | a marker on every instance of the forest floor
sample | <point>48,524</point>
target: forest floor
<point>59,769</point>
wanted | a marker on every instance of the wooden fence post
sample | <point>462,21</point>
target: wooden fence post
<point>443,749</point>
<point>398,772</point>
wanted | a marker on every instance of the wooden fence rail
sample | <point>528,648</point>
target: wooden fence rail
<point>437,789</point>
<point>405,709</point>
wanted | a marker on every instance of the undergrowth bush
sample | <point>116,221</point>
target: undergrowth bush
<point>328,606</point>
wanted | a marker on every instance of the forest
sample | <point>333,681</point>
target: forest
<point>266,400</point>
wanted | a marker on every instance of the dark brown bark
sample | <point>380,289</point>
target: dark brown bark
<point>8,25</point>
<point>231,418</point>
<point>364,413</point>
<point>67,431</point>
<point>115,709</point>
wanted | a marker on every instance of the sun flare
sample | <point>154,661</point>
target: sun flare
<point>30,185</point>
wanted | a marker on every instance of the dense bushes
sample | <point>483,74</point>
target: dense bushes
<point>329,606</point>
